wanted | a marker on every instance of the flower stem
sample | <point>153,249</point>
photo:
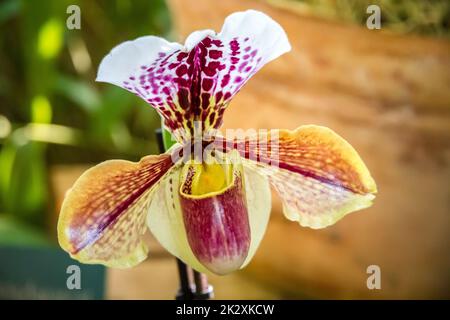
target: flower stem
<point>185,292</point>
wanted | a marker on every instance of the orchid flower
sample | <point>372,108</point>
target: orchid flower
<point>211,212</point>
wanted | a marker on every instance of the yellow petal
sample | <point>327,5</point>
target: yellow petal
<point>102,218</point>
<point>318,175</point>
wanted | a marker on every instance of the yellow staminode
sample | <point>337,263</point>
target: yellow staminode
<point>212,176</point>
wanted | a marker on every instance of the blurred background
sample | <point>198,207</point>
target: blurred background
<point>386,91</point>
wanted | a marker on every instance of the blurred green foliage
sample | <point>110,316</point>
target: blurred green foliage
<point>427,17</point>
<point>51,109</point>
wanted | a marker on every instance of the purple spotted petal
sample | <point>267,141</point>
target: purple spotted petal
<point>196,81</point>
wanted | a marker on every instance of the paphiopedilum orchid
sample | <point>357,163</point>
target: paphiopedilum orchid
<point>209,208</point>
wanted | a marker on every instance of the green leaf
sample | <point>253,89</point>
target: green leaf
<point>24,190</point>
<point>8,9</point>
<point>168,139</point>
<point>81,93</point>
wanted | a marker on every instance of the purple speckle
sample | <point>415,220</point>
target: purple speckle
<point>215,54</point>
<point>207,84</point>
<point>225,80</point>
<point>205,100</point>
<point>181,82</point>
<point>182,55</point>
<point>166,90</point>
<point>211,69</point>
<point>242,65</point>
<point>217,43</point>
<point>212,117</point>
<point>234,46</point>
<point>206,42</point>
<point>181,70</point>
<point>234,60</point>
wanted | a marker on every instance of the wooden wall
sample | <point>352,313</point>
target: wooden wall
<point>389,96</point>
